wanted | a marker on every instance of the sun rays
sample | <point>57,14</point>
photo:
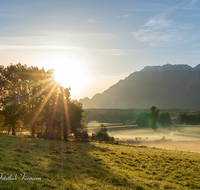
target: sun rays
<point>59,92</point>
<point>70,71</point>
<point>42,102</point>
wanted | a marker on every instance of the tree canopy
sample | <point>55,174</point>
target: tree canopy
<point>142,119</point>
<point>31,96</point>
<point>154,117</point>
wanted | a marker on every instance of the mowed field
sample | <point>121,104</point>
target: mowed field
<point>49,164</point>
<point>176,137</point>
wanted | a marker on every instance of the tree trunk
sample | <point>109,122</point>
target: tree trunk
<point>46,131</point>
<point>32,133</point>
<point>65,133</point>
<point>13,129</point>
<point>8,130</point>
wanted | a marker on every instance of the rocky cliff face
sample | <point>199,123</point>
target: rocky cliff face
<point>167,87</point>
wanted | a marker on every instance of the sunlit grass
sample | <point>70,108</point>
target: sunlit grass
<point>78,165</point>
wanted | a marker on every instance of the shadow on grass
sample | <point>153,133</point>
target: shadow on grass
<point>60,165</point>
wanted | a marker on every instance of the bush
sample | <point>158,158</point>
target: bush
<point>101,134</point>
<point>81,134</point>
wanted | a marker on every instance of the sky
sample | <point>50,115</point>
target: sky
<point>92,44</point>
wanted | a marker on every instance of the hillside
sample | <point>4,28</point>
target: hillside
<point>47,164</point>
<point>166,87</point>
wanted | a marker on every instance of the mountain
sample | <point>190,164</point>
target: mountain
<point>167,87</point>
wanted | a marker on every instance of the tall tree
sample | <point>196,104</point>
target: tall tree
<point>154,117</point>
<point>39,80</point>
<point>13,90</point>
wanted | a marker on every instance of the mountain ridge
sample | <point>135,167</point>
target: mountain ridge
<point>167,86</point>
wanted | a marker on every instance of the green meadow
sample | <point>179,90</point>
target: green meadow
<point>49,164</point>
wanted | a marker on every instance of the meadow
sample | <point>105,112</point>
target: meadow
<point>177,137</point>
<point>93,165</point>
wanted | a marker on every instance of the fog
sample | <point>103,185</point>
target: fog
<point>176,137</point>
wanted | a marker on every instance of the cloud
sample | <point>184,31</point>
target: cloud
<point>113,52</point>
<point>93,21</point>
<point>125,16</point>
<point>161,31</point>
<point>158,31</point>
<point>159,23</point>
<point>5,47</point>
<point>185,26</point>
<point>144,7</point>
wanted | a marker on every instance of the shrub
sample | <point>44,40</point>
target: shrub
<point>81,134</point>
<point>101,134</point>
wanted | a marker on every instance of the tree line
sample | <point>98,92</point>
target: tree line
<point>190,119</point>
<point>31,98</point>
<point>124,115</point>
<point>110,115</point>
<point>153,119</point>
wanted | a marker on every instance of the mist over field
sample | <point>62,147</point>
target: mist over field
<point>177,137</point>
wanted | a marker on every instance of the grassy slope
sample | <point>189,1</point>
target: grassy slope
<point>78,165</point>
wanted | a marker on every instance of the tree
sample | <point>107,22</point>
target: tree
<point>190,119</point>
<point>39,81</point>
<point>142,119</point>
<point>154,117</point>
<point>182,118</point>
<point>32,96</point>
<point>13,90</point>
<point>164,119</point>
<point>101,134</point>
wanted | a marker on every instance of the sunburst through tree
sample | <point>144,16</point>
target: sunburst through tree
<point>31,97</point>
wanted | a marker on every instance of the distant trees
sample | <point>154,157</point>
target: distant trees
<point>153,119</point>
<point>164,119</point>
<point>110,115</point>
<point>31,96</point>
<point>142,119</point>
<point>190,119</point>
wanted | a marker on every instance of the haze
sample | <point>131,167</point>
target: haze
<point>108,39</point>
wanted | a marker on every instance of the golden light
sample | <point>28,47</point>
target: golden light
<point>69,71</point>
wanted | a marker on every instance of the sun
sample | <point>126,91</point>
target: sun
<point>69,72</point>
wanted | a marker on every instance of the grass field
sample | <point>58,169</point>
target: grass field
<point>82,165</point>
